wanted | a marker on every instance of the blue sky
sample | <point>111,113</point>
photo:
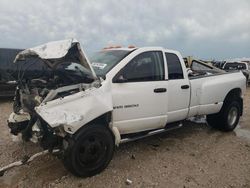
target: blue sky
<point>204,28</point>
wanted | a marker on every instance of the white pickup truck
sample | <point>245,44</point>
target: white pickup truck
<point>86,107</point>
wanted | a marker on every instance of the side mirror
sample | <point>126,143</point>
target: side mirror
<point>119,79</point>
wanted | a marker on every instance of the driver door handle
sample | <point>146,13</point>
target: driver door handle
<point>184,86</point>
<point>160,90</point>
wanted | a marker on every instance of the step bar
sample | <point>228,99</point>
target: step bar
<point>151,133</point>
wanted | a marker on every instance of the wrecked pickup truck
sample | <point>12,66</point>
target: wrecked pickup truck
<point>86,109</point>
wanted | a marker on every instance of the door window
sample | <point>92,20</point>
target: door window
<point>147,66</point>
<point>174,67</point>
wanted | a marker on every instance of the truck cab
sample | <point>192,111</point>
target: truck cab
<point>151,88</point>
<point>141,94</point>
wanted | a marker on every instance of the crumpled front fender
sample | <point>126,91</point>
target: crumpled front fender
<point>74,111</point>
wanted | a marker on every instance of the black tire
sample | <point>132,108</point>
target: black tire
<point>89,151</point>
<point>228,118</point>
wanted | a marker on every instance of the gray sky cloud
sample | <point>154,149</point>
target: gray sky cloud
<point>207,29</point>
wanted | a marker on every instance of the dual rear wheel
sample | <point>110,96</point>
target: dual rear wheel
<point>228,118</point>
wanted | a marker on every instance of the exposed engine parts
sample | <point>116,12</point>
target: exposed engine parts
<point>45,76</point>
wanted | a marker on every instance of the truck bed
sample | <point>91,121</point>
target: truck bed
<point>208,91</point>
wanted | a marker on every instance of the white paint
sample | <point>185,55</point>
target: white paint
<point>178,100</point>
<point>205,96</point>
<point>76,110</point>
<point>151,110</point>
<point>208,93</point>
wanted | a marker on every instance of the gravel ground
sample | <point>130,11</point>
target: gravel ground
<point>192,156</point>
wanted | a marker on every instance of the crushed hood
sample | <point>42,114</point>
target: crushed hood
<point>56,52</point>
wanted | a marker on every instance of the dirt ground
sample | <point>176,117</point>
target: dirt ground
<point>192,156</point>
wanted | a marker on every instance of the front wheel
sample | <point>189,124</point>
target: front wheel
<point>228,118</point>
<point>90,151</point>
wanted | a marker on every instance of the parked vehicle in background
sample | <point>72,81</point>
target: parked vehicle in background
<point>238,66</point>
<point>8,72</point>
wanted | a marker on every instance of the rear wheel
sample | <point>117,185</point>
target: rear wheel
<point>228,118</point>
<point>90,151</point>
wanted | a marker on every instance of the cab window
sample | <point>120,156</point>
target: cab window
<point>174,67</point>
<point>147,66</point>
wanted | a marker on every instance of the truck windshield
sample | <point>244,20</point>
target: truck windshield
<point>103,61</point>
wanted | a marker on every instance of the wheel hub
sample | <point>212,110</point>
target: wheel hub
<point>232,116</point>
<point>91,150</point>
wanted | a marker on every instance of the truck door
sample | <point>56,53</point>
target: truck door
<point>139,93</point>
<point>179,89</point>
